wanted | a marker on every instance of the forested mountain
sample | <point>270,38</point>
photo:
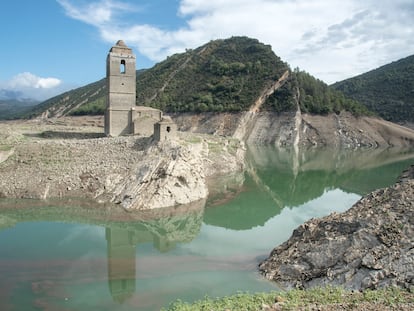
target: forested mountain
<point>315,97</point>
<point>388,90</point>
<point>229,75</point>
<point>222,75</point>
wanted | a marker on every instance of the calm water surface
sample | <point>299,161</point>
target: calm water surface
<point>65,255</point>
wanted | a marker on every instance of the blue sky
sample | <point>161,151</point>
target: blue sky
<point>49,46</point>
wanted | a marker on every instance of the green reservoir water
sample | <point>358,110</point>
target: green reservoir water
<point>72,255</point>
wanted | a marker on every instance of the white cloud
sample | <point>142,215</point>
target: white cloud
<point>76,233</point>
<point>331,39</point>
<point>96,13</point>
<point>29,86</point>
<point>29,80</point>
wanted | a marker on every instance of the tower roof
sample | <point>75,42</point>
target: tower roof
<point>121,48</point>
<point>120,43</point>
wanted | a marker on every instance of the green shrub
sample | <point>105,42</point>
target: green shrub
<point>96,107</point>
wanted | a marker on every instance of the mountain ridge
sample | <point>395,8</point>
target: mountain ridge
<point>225,75</point>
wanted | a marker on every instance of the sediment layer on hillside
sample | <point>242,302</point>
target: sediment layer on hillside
<point>287,129</point>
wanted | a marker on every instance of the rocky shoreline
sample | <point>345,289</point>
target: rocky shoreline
<point>70,157</point>
<point>58,160</point>
<point>367,247</point>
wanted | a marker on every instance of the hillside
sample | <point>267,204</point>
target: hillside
<point>11,108</point>
<point>314,97</point>
<point>90,97</point>
<point>86,100</point>
<point>388,90</point>
<point>221,76</point>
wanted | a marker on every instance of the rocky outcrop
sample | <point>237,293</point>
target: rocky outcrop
<point>368,246</point>
<point>133,171</point>
<point>168,174</point>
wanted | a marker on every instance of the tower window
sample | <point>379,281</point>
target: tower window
<point>122,67</point>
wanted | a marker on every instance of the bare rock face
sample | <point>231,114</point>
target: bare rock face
<point>169,175</point>
<point>369,246</point>
<point>294,128</point>
<point>342,131</point>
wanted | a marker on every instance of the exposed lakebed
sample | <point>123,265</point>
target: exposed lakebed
<point>70,254</point>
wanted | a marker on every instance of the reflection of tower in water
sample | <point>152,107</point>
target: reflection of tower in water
<point>121,246</point>
<point>121,263</point>
<point>163,234</point>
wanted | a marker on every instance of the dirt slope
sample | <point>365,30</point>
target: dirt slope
<point>344,130</point>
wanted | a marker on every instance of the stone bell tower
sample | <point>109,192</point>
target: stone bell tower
<point>121,86</point>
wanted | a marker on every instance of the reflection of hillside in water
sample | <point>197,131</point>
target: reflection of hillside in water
<point>278,178</point>
<point>299,179</point>
<point>238,214</point>
<point>123,231</point>
<point>179,224</point>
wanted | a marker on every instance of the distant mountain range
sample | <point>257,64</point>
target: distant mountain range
<point>11,108</point>
<point>231,74</point>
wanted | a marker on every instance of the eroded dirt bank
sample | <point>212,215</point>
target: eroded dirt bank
<point>287,129</point>
<point>69,157</point>
<point>368,246</point>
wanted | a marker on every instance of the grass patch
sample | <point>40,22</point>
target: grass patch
<point>234,145</point>
<point>193,139</point>
<point>5,147</point>
<point>215,147</point>
<point>96,107</point>
<point>241,301</point>
<point>290,300</point>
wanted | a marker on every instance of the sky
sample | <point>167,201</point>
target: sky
<point>50,46</point>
